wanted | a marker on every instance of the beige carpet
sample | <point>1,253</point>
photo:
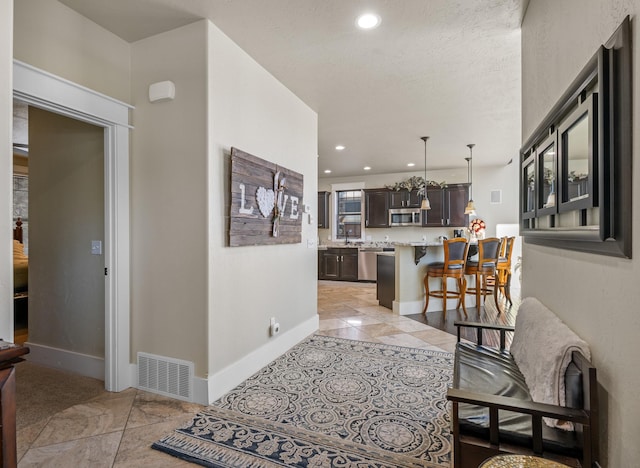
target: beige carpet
<point>42,392</point>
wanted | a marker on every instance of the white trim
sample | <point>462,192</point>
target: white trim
<point>82,364</point>
<point>435,304</point>
<point>200,391</point>
<point>225,380</point>
<point>29,80</point>
<point>47,91</point>
<point>347,186</point>
<point>409,308</point>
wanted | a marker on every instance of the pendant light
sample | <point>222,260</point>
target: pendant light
<point>470,209</point>
<point>425,205</point>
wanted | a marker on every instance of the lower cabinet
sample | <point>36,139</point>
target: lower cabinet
<point>386,283</point>
<point>338,264</point>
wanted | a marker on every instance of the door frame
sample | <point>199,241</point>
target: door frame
<point>44,90</point>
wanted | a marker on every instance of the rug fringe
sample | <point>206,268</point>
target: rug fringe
<point>216,456</point>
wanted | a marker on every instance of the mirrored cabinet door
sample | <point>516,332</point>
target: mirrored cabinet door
<point>547,173</point>
<point>578,150</point>
<point>528,187</point>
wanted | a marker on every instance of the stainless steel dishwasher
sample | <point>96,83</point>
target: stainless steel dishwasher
<point>367,258</point>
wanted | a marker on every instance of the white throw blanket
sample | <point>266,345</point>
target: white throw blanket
<point>542,347</point>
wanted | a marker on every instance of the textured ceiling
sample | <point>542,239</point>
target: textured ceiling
<point>448,69</point>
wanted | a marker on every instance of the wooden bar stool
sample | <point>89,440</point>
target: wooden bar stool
<point>483,269</point>
<point>455,256</point>
<point>503,268</point>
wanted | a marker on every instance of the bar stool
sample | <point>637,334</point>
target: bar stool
<point>455,256</point>
<point>484,268</point>
<point>503,268</point>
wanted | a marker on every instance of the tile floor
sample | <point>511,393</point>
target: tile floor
<point>117,429</point>
<point>351,310</point>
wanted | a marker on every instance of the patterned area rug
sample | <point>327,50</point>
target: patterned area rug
<point>328,402</point>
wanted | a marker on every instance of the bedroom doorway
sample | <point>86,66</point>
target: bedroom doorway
<point>66,290</point>
<point>54,95</point>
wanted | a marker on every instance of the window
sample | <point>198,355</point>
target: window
<point>349,214</point>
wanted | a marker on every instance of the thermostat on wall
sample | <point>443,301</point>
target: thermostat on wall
<point>162,91</point>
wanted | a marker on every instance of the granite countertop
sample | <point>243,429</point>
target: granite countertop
<point>418,244</point>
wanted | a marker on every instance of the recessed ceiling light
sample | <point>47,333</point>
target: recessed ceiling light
<point>368,21</point>
<point>327,171</point>
<point>366,168</point>
<point>411,164</point>
<point>340,147</point>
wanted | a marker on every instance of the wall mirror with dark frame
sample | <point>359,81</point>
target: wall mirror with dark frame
<point>575,177</point>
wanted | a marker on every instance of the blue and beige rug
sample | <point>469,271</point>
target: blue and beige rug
<point>328,402</point>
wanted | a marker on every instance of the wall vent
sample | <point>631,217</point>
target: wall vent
<point>496,197</point>
<point>166,376</point>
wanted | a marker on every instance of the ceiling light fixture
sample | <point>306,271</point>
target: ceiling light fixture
<point>340,147</point>
<point>368,21</point>
<point>411,164</point>
<point>367,168</point>
<point>470,209</point>
<point>425,205</point>
<point>327,171</point>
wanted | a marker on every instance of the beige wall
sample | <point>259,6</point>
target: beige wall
<point>485,179</point>
<point>66,212</point>
<point>51,36</point>
<point>251,110</point>
<point>595,295</point>
<point>169,198</point>
<point>6,158</point>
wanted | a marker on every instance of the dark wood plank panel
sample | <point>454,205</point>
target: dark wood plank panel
<point>254,198</point>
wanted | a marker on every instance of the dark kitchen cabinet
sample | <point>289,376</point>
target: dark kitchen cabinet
<point>338,264</point>
<point>386,282</point>
<point>435,216</point>
<point>447,206</point>
<point>323,210</point>
<point>404,199</point>
<point>457,197</point>
<point>376,202</point>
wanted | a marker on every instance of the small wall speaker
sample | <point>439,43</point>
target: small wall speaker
<point>496,197</point>
<point>162,91</point>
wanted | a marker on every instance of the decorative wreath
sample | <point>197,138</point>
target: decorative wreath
<point>477,226</point>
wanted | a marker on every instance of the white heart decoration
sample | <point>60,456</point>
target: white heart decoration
<point>266,201</point>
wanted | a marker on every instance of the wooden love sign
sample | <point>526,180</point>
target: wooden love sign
<point>266,202</point>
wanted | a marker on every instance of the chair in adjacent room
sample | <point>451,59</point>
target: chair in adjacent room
<point>503,268</point>
<point>484,269</point>
<point>453,266</point>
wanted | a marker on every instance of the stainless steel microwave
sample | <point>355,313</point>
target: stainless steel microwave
<point>405,217</point>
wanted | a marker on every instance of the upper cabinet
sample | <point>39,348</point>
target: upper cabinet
<point>404,199</point>
<point>447,206</point>
<point>575,177</point>
<point>376,202</point>
<point>323,210</point>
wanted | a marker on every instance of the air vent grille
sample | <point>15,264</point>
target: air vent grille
<point>166,376</point>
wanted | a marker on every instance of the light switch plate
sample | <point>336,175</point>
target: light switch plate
<point>96,247</point>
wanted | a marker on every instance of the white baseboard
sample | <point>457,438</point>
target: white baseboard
<point>407,308</point>
<point>82,364</point>
<point>225,380</point>
<point>435,304</point>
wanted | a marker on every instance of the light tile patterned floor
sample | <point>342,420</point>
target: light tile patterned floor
<point>351,310</point>
<point>117,429</point>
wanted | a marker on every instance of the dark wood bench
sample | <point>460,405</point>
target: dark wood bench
<point>493,413</point>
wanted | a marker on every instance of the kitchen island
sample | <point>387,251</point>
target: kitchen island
<point>411,260</point>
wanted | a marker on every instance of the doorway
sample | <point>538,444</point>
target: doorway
<point>66,218</point>
<point>50,93</point>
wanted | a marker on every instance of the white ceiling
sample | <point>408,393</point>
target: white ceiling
<point>448,69</point>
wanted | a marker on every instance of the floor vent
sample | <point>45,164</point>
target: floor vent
<point>166,376</point>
